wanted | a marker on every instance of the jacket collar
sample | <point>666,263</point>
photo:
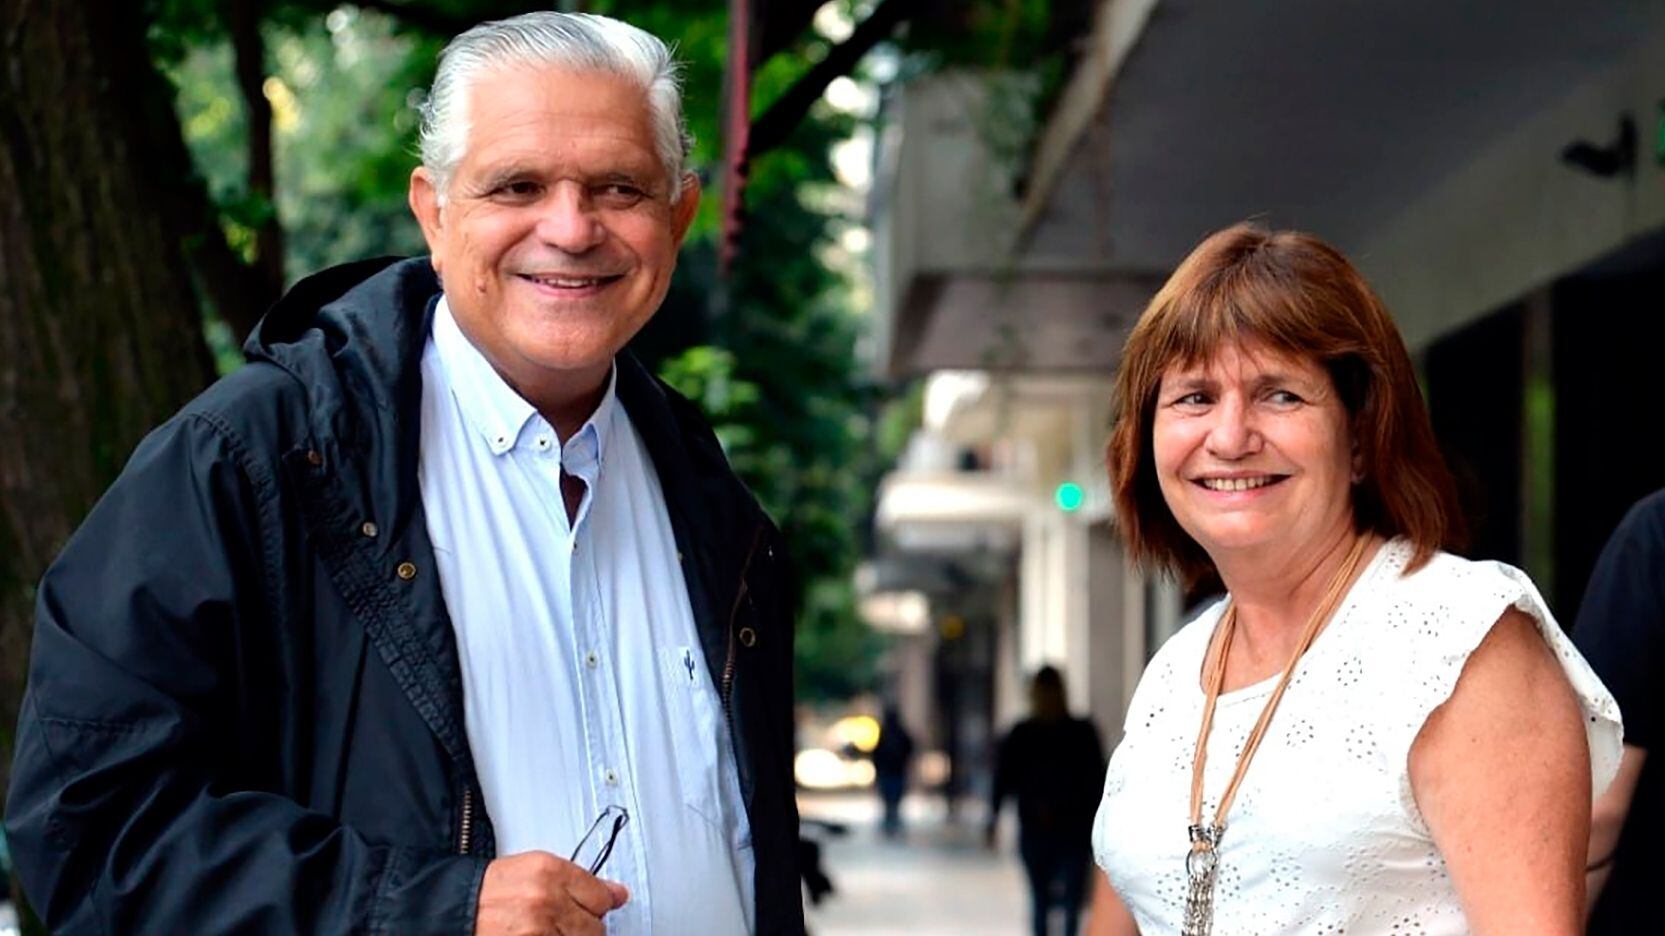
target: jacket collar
<point>354,335</point>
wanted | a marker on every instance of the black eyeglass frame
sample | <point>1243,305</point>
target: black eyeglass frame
<point>620,818</point>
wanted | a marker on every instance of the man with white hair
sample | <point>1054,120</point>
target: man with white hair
<point>442,614</point>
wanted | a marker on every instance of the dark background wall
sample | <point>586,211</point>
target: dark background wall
<point>1582,363</point>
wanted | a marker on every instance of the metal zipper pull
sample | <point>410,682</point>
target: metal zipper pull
<point>467,833</point>
<point>726,686</point>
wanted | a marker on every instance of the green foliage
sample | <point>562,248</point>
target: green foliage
<point>344,87</point>
<point>346,136</point>
<point>835,657</point>
<point>179,26</point>
<point>793,336</point>
<point>988,34</point>
<point>216,128</point>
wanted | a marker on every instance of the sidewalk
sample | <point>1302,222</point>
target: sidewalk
<point>937,880</point>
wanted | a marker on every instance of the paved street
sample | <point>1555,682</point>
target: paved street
<point>938,879</point>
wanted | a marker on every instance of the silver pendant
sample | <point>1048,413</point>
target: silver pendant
<point>1202,864</point>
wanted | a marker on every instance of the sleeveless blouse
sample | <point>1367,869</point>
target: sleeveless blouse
<point>1325,835</point>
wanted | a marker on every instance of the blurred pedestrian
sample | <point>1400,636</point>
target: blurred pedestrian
<point>1369,734</point>
<point>1053,765</point>
<point>892,756</point>
<point>369,635</point>
<point>1621,631</point>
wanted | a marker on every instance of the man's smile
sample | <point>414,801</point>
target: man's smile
<point>569,286</point>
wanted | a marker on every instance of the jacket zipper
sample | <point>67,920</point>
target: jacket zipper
<point>467,832</point>
<point>728,665</point>
<point>726,689</point>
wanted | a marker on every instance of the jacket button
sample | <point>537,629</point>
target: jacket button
<point>314,459</point>
<point>369,529</point>
<point>407,570</point>
<point>748,636</point>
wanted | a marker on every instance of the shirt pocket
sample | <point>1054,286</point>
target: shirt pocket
<point>696,727</point>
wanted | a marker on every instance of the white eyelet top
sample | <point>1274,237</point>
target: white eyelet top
<point>1324,836</point>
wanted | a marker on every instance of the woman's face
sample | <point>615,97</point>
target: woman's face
<point>1253,451</point>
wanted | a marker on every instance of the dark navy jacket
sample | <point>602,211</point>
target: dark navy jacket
<point>244,709</point>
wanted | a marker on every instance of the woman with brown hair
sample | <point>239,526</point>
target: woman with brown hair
<point>1368,734</point>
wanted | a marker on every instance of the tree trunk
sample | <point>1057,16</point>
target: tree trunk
<point>100,332</point>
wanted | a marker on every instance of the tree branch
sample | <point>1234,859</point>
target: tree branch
<point>779,23</point>
<point>784,115</point>
<point>238,291</point>
<point>243,19</point>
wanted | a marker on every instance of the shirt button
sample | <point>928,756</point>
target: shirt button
<point>314,459</point>
<point>543,442</point>
<point>611,776</point>
<point>406,570</point>
<point>369,529</point>
<point>592,659</point>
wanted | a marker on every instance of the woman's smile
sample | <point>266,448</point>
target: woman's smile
<point>1238,484</point>
<point>1252,449</point>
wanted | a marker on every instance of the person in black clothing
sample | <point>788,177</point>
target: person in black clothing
<point>891,757</point>
<point>1621,632</point>
<point>1053,765</point>
<point>269,690</point>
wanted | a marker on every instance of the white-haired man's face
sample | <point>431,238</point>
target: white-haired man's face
<point>558,235</point>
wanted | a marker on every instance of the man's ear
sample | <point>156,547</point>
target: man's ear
<point>424,204</point>
<point>682,213</point>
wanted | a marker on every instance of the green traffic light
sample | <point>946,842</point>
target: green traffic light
<point>1069,496</point>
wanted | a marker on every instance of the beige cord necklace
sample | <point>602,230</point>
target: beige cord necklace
<point>1202,863</point>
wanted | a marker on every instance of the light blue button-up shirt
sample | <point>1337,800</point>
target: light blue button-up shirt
<point>583,682</point>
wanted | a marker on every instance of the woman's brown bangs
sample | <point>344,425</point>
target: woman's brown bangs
<point>1229,310</point>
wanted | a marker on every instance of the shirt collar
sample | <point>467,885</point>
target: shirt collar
<point>495,411</point>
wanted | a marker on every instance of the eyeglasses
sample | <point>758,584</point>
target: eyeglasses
<point>593,849</point>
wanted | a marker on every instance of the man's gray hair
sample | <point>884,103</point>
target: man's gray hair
<point>577,41</point>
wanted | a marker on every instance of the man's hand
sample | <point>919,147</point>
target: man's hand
<point>537,894</point>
